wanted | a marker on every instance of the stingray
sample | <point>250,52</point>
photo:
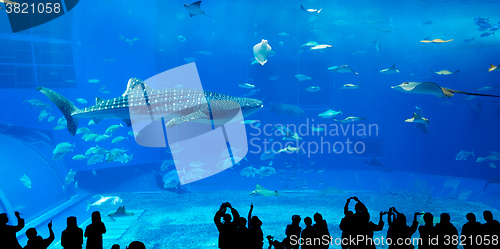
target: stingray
<point>417,119</point>
<point>444,72</point>
<point>374,162</point>
<point>309,10</point>
<point>261,51</point>
<point>436,41</point>
<point>261,190</point>
<point>341,69</point>
<point>432,89</point>
<point>390,70</point>
<point>195,9</point>
<point>120,212</point>
<point>494,68</point>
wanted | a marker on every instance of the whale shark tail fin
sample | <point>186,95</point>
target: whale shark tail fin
<point>65,106</point>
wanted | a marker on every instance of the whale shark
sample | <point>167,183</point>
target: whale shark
<point>219,108</point>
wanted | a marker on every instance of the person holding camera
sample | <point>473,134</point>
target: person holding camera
<point>399,233</point>
<point>8,233</point>
<point>226,227</point>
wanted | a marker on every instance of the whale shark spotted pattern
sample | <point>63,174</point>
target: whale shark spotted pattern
<point>175,105</point>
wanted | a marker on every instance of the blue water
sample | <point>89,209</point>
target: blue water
<point>91,33</point>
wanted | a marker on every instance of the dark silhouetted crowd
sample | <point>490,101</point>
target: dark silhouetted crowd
<point>358,231</point>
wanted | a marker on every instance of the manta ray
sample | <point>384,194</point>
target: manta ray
<point>390,70</point>
<point>261,51</point>
<point>218,108</point>
<point>444,72</point>
<point>417,119</point>
<point>341,69</point>
<point>432,89</point>
<point>195,9</point>
<point>436,41</point>
<point>494,68</point>
<point>310,10</point>
<point>262,191</point>
<point>120,212</point>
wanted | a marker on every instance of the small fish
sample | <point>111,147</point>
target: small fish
<point>436,41</point>
<point>51,118</point>
<point>462,155</point>
<point>280,43</point>
<point>493,165</point>
<point>113,128</point>
<point>246,85</point>
<point>317,129</point>
<point>350,86</point>
<point>330,114</point>
<point>427,22</point>
<point>118,139</point>
<point>468,40</point>
<point>76,184</point>
<point>43,114</point>
<point>84,130</point>
<point>95,81</point>
<point>94,172</point>
<point>480,159</point>
<point>174,149</point>
<point>487,34</point>
<point>313,89</point>
<point>60,127</point>
<point>273,77</point>
<point>91,122</point>
<point>302,77</point>
<point>204,53</point>
<point>349,119</point>
<point>79,157</point>
<point>95,159</point>
<point>181,38</point>
<point>82,101</point>
<point>321,170</point>
<point>26,181</point>
<point>70,177</point>
<point>485,88</point>
<point>322,46</point>
<point>283,34</point>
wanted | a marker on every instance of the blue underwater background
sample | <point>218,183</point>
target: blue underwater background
<point>113,41</point>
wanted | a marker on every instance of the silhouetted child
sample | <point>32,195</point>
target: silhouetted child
<point>427,232</point>
<point>227,229</point>
<point>490,228</point>
<point>37,242</point>
<point>136,245</point>
<point>309,235</point>
<point>275,243</point>
<point>347,224</point>
<point>8,237</point>
<point>445,231</point>
<point>256,236</point>
<point>322,228</point>
<point>115,246</point>
<point>72,237</point>
<point>470,232</point>
<point>293,232</point>
<point>94,232</point>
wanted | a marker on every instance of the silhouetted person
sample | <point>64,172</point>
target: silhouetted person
<point>72,237</point>
<point>347,224</point>
<point>470,232</point>
<point>400,234</point>
<point>115,246</point>
<point>445,231</point>
<point>94,232</point>
<point>490,229</point>
<point>293,233</point>
<point>8,237</point>
<point>241,233</point>
<point>37,242</point>
<point>364,227</point>
<point>309,235</point>
<point>255,235</point>
<point>427,232</point>
<point>322,228</point>
<point>136,245</point>
<point>227,229</point>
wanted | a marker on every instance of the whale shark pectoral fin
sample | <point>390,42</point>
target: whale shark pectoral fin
<point>192,116</point>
